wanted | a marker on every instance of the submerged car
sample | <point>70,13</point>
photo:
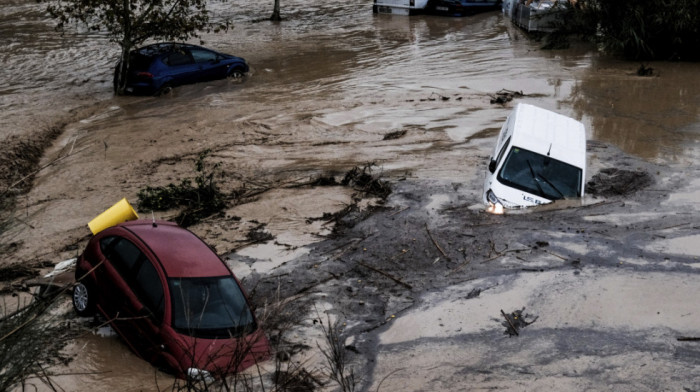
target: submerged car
<point>170,298</point>
<point>540,156</point>
<point>155,69</point>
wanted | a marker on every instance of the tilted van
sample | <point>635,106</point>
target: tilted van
<point>540,156</point>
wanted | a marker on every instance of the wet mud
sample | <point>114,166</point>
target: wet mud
<point>333,88</point>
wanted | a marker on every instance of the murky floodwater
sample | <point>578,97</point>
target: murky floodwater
<point>326,85</point>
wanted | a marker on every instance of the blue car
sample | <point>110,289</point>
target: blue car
<point>155,69</point>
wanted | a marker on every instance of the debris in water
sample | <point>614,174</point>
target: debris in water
<point>503,96</point>
<point>395,135</point>
<point>643,70</point>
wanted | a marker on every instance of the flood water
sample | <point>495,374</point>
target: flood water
<point>326,85</point>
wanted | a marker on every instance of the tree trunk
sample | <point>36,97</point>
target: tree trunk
<point>121,71</point>
<point>276,12</point>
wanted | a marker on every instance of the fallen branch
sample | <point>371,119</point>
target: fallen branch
<point>435,243</point>
<point>688,339</point>
<point>510,323</point>
<point>388,275</point>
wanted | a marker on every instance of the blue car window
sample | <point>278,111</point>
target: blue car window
<point>203,56</point>
<point>177,58</point>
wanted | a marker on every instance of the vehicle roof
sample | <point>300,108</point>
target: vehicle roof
<point>180,252</point>
<point>543,131</point>
<point>164,47</point>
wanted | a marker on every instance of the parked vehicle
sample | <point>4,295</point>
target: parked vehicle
<point>461,7</point>
<point>155,69</point>
<point>540,156</point>
<point>170,298</point>
<point>399,7</point>
<point>534,15</point>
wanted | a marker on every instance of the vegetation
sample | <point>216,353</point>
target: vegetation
<point>639,30</point>
<point>200,200</point>
<point>129,23</point>
<point>30,340</point>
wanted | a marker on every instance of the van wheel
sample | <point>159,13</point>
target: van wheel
<point>83,300</point>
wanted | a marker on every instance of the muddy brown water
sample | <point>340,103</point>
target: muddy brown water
<point>326,85</point>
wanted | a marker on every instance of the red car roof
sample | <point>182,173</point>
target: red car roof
<point>180,252</point>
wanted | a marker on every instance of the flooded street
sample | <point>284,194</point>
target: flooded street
<point>326,87</point>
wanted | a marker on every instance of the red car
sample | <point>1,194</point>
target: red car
<point>170,297</point>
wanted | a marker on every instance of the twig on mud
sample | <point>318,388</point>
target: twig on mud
<point>21,180</point>
<point>388,275</point>
<point>555,255</point>
<point>674,226</point>
<point>435,243</point>
<point>510,323</point>
<point>688,339</point>
<point>503,253</point>
<point>387,376</point>
<point>399,211</point>
<point>22,221</point>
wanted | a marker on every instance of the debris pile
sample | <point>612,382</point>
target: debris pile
<point>618,182</point>
<point>362,180</point>
<point>503,96</point>
<point>515,321</point>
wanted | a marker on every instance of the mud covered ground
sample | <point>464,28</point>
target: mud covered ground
<point>422,283</point>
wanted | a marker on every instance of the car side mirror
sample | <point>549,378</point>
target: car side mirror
<point>492,165</point>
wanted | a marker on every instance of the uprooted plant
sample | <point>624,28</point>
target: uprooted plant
<point>31,338</point>
<point>198,201</point>
<point>362,179</point>
<point>335,355</point>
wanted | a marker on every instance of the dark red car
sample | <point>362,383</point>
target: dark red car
<point>170,297</point>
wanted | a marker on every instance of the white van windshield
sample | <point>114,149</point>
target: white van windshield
<point>540,175</point>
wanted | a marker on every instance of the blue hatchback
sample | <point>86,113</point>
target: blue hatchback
<point>155,69</point>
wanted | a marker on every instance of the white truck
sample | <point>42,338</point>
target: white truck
<point>540,156</point>
<point>399,7</point>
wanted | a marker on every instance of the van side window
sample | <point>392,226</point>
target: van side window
<point>503,150</point>
<point>149,289</point>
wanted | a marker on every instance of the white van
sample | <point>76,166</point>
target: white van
<point>399,7</point>
<point>540,156</point>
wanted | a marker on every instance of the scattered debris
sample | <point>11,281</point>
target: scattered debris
<point>515,321</point>
<point>503,96</point>
<point>435,96</point>
<point>259,234</point>
<point>474,293</point>
<point>395,135</point>
<point>618,182</point>
<point>643,70</point>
